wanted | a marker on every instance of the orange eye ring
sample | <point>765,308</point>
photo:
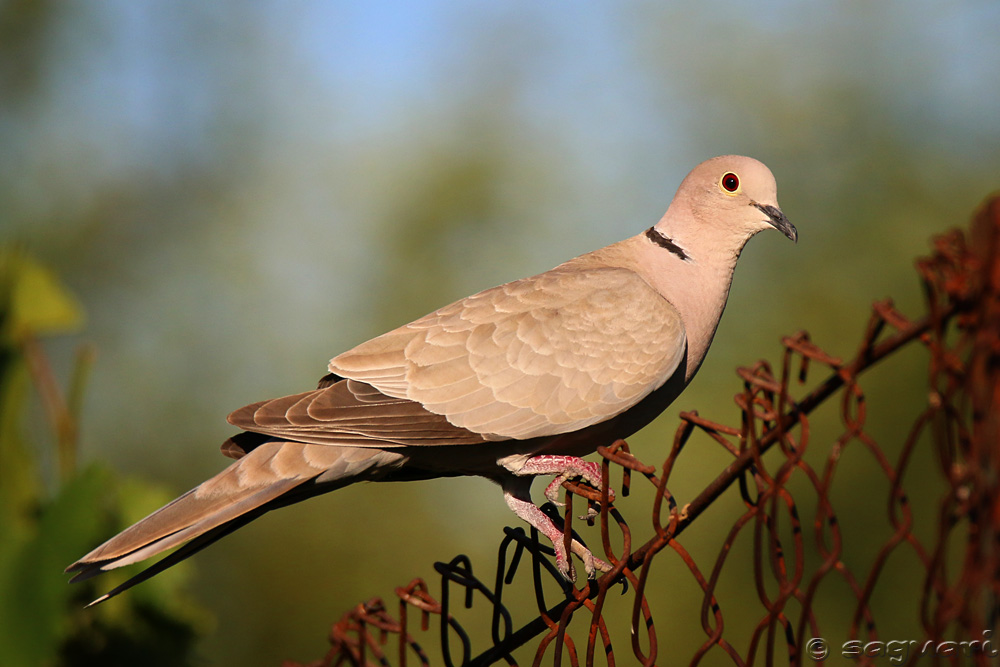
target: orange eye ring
<point>730,182</point>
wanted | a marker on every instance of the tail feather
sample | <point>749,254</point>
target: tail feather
<point>142,548</point>
<point>273,474</point>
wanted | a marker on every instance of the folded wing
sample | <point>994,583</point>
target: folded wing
<point>536,357</point>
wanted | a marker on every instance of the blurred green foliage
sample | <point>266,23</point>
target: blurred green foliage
<point>47,520</point>
<point>236,193</point>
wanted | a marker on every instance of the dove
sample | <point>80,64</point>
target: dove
<point>515,382</point>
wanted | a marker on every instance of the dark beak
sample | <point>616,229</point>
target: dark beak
<point>778,220</point>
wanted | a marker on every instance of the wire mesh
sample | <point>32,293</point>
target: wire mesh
<point>960,583</point>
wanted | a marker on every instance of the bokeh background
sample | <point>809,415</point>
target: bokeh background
<point>236,192</point>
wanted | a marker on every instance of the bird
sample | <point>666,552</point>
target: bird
<point>514,382</point>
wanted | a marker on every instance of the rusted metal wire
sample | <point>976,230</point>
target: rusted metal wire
<point>960,588</point>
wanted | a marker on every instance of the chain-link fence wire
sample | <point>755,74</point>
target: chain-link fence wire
<point>953,603</point>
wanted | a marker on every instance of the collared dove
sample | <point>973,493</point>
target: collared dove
<point>513,382</point>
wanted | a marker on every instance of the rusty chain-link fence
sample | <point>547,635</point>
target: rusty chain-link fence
<point>788,513</point>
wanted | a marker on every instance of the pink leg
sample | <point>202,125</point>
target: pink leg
<point>563,467</point>
<point>528,511</point>
<point>518,497</point>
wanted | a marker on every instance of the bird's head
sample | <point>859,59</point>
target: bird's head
<point>722,203</point>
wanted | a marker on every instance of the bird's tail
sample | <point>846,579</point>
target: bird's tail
<point>271,475</point>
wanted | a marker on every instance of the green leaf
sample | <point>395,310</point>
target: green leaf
<point>34,595</point>
<point>32,300</point>
<point>20,484</point>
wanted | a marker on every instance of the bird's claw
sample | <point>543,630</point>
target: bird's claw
<point>592,565</point>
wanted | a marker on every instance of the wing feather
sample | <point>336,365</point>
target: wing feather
<point>537,357</point>
<point>350,413</point>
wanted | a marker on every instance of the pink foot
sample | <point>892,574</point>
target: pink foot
<point>518,497</point>
<point>537,518</point>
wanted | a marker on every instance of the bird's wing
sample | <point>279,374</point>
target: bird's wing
<point>541,356</point>
<point>347,412</point>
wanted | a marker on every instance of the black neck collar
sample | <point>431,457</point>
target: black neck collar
<point>657,237</point>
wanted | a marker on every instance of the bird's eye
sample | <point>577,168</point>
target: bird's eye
<point>731,182</point>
